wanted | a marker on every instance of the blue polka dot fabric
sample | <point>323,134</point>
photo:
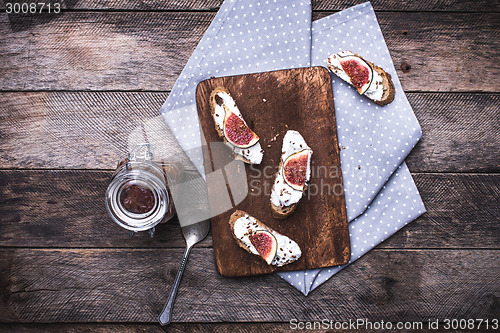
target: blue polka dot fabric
<point>381,197</point>
<point>244,37</point>
<point>397,204</point>
<point>253,36</point>
<point>374,139</point>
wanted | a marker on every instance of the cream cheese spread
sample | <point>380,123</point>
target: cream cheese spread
<point>283,194</point>
<point>254,153</point>
<point>287,250</point>
<point>375,91</point>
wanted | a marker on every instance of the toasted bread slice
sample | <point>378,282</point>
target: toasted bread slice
<point>232,220</point>
<point>249,155</point>
<point>213,102</point>
<point>384,83</point>
<point>388,86</point>
<point>281,213</point>
<point>287,250</point>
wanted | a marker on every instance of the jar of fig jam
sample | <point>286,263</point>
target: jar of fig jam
<point>138,197</point>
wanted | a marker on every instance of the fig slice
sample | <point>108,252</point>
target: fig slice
<point>295,169</point>
<point>265,243</point>
<point>237,132</point>
<point>359,71</point>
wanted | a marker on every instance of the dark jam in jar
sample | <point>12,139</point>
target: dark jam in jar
<point>137,199</point>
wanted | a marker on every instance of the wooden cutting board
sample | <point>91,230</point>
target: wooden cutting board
<point>271,103</point>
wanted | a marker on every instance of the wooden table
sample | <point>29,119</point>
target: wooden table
<point>74,85</point>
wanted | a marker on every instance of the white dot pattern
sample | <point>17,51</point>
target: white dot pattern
<point>254,36</point>
<point>244,37</point>
<point>383,217</point>
<point>374,140</point>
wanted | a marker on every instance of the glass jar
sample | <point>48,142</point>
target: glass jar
<point>138,197</point>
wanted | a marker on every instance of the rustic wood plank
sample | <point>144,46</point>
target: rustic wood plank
<point>86,50</point>
<point>460,133</point>
<point>94,130</point>
<point>174,328</point>
<point>79,285</point>
<point>145,328</point>
<point>97,328</point>
<point>52,208</point>
<point>66,209</point>
<point>147,50</point>
<point>394,5</point>
<point>382,5</point>
<point>82,130</point>
<point>453,202</point>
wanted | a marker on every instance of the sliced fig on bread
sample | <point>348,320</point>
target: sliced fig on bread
<point>257,238</point>
<point>265,243</point>
<point>233,129</point>
<point>292,176</point>
<point>368,79</point>
<point>295,169</point>
<point>237,132</point>
<point>358,70</point>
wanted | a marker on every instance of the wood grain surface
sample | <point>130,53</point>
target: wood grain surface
<point>175,328</point>
<point>82,130</point>
<point>113,285</point>
<point>147,50</point>
<point>78,88</point>
<point>93,130</point>
<point>34,214</point>
<point>273,103</point>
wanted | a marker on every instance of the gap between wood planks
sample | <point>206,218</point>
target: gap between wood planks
<point>171,38</point>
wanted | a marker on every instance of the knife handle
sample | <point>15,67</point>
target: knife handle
<point>166,315</point>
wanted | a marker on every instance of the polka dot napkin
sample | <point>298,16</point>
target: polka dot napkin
<point>374,141</point>
<point>397,204</point>
<point>254,36</point>
<point>244,37</point>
